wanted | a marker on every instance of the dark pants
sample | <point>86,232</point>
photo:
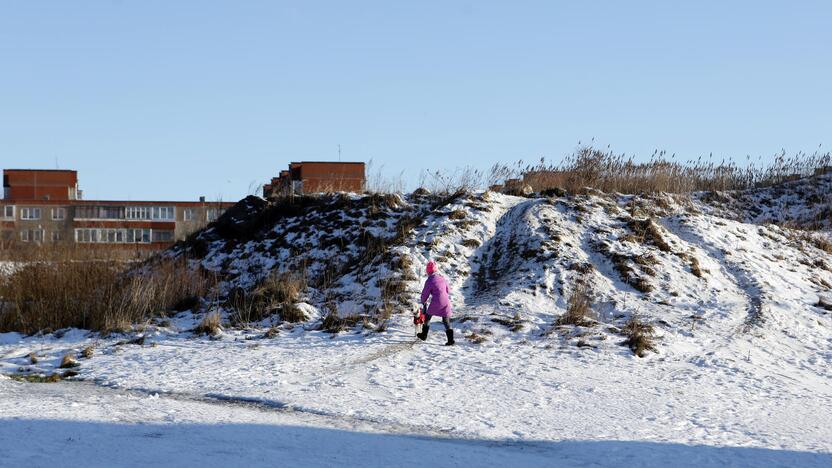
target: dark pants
<point>445,321</point>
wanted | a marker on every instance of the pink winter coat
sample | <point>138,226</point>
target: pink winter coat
<point>436,287</point>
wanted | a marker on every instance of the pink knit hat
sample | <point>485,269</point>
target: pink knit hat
<point>431,268</point>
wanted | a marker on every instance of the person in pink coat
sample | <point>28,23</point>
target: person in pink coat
<point>436,289</point>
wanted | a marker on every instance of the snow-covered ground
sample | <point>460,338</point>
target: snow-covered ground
<point>384,400</point>
<point>741,374</point>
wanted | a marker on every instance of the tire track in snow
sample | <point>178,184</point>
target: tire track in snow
<point>745,282</point>
<point>496,257</point>
<point>270,405</point>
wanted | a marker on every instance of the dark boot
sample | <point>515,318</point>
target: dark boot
<point>424,334</point>
<point>450,335</point>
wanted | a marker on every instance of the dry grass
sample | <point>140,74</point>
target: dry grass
<point>457,214</point>
<point>471,243</point>
<point>648,231</point>
<point>88,352</point>
<point>610,172</point>
<point>68,362</point>
<point>514,324</point>
<point>210,325</point>
<point>578,308</point>
<point>639,335</point>
<point>101,294</point>
<point>278,294</point>
<point>334,323</point>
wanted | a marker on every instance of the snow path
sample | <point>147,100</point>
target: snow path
<point>500,390</point>
<point>80,424</point>
<point>745,282</point>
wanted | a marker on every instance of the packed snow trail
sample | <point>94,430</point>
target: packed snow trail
<point>82,425</point>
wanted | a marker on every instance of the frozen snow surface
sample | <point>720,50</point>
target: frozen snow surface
<point>740,374</point>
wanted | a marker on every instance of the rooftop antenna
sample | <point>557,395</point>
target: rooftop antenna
<point>56,163</point>
<point>339,152</point>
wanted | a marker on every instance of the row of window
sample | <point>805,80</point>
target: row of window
<point>139,213</point>
<point>96,236</point>
<point>28,214</point>
<point>122,236</point>
<point>143,213</point>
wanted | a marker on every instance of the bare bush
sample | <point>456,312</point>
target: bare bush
<point>278,294</point>
<point>578,307</point>
<point>210,325</point>
<point>97,294</point>
<point>639,335</point>
<point>609,172</point>
<point>334,323</point>
<point>68,362</point>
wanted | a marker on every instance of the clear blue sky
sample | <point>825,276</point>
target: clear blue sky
<point>175,99</point>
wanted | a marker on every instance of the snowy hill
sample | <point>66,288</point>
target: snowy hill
<point>697,268</point>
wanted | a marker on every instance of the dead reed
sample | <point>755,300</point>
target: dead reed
<point>590,167</point>
<point>73,288</point>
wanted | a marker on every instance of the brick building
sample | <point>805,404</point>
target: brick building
<point>315,177</point>
<point>41,206</point>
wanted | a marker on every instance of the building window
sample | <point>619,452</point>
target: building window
<point>138,212</point>
<point>188,214</point>
<point>30,213</point>
<point>58,214</point>
<point>212,213</point>
<point>56,236</point>
<point>8,212</point>
<point>99,212</point>
<point>31,235</point>
<point>162,236</point>
<point>167,213</point>
<point>113,236</point>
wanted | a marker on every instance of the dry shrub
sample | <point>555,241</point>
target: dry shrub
<point>33,358</point>
<point>610,172</point>
<point>471,243</point>
<point>88,352</point>
<point>695,268</point>
<point>457,214</point>
<point>278,294</point>
<point>334,323</point>
<point>210,325</point>
<point>639,336</point>
<point>476,338</point>
<point>818,242</point>
<point>68,362</point>
<point>514,324</point>
<point>96,294</point>
<point>578,307</point>
<point>647,231</point>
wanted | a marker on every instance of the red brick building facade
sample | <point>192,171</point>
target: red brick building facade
<point>44,206</point>
<point>317,176</point>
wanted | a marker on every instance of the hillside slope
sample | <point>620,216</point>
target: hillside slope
<point>701,277</point>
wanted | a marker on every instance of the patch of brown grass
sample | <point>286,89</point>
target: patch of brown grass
<point>639,336</point>
<point>578,307</point>
<point>210,325</point>
<point>457,214</point>
<point>68,362</point>
<point>96,294</point>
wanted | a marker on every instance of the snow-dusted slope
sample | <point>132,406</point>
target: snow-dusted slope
<point>679,263</point>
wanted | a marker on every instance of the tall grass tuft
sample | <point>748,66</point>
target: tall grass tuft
<point>100,294</point>
<point>590,167</point>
